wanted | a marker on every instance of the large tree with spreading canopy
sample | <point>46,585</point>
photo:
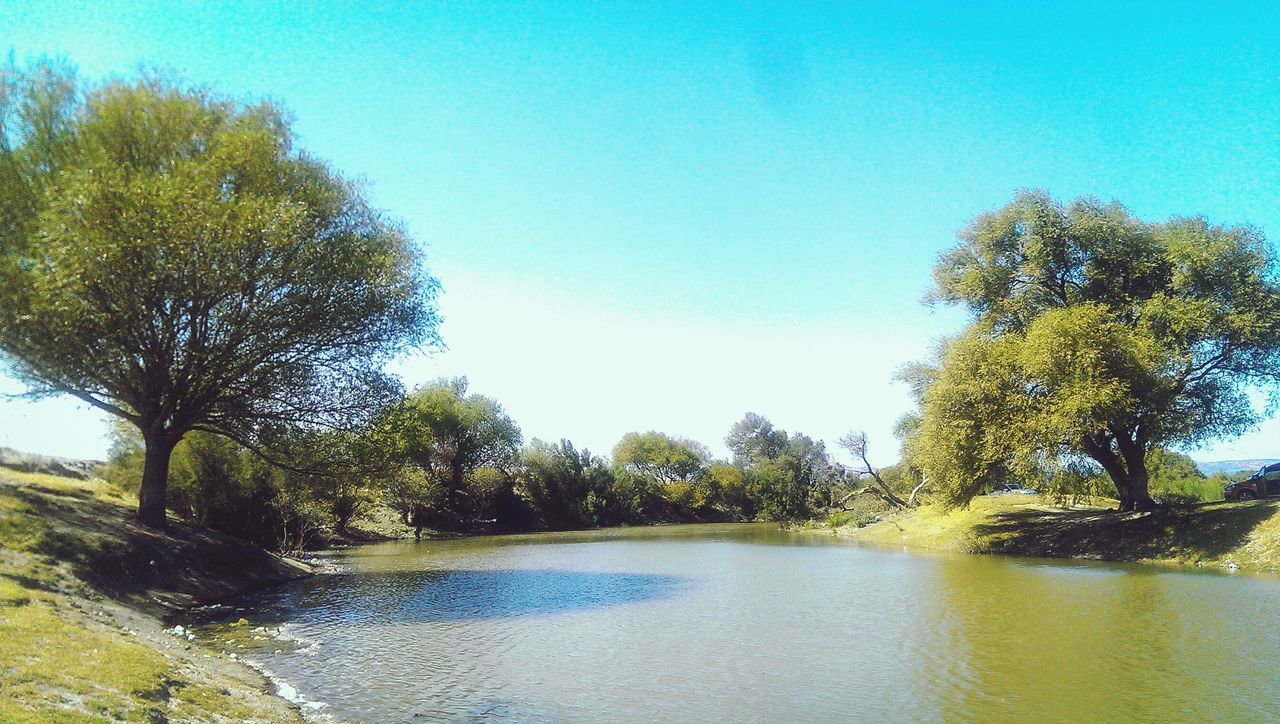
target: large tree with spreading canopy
<point>170,256</point>
<point>1094,336</point>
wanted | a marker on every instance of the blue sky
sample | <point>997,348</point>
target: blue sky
<point>663,216</point>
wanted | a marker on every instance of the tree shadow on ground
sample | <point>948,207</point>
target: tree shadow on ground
<point>115,556</point>
<point>1193,533</point>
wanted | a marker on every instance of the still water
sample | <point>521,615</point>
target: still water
<point>749,623</point>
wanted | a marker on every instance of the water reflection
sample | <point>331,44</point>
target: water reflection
<point>1084,641</point>
<point>459,595</point>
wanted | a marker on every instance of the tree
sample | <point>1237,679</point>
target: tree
<point>1166,467</point>
<point>564,483</point>
<point>339,471</point>
<point>728,484</point>
<point>167,255</point>
<point>1094,336</point>
<point>753,438</point>
<point>661,457</point>
<point>451,437</point>
<point>782,472</point>
<point>856,445</point>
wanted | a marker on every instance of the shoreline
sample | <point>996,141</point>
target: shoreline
<point>89,601</point>
<point>1231,536</point>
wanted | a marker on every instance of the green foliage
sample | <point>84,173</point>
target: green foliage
<point>753,438</point>
<point>860,511</point>
<point>1166,466</point>
<point>783,476</point>
<point>684,495</point>
<point>1095,335</point>
<point>170,256</point>
<point>728,486</point>
<point>568,488</point>
<point>779,493</point>
<point>660,457</point>
<point>1175,478</point>
<point>450,436</point>
<point>218,484</point>
<point>629,500</point>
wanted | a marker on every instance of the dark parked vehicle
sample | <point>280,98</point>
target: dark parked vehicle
<point>1264,483</point>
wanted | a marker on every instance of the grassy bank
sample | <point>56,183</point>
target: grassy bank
<point>1243,535</point>
<point>83,590</point>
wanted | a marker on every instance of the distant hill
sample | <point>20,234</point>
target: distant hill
<point>49,464</point>
<point>1229,466</point>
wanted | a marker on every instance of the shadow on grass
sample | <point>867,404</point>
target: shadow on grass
<point>1194,533</point>
<point>114,555</point>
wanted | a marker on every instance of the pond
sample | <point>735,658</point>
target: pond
<point>751,623</point>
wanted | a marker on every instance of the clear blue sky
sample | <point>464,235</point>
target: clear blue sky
<point>662,216</point>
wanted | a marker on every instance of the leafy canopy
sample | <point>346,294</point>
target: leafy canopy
<point>463,432</point>
<point>169,256</point>
<point>661,457</point>
<point>1094,335</point>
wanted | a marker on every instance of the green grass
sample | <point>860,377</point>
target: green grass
<point>1209,534</point>
<point>65,656</point>
<point>60,667</point>
<point>53,662</point>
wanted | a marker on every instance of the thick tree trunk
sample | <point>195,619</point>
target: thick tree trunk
<point>1125,495</point>
<point>1135,462</point>
<point>1106,457</point>
<point>1138,490</point>
<point>155,480</point>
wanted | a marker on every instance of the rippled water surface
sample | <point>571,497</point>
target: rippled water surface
<point>748,623</point>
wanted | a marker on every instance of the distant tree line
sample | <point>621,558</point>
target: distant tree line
<point>171,257</point>
<point>445,459</point>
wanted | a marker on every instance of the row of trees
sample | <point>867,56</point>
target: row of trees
<point>447,459</point>
<point>170,256</point>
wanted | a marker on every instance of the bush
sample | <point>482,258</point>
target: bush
<point>728,487</point>
<point>839,518</point>
<point>1189,490</point>
<point>859,511</point>
<point>682,494</point>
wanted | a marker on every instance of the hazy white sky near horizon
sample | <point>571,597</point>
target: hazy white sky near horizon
<point>662,217</point>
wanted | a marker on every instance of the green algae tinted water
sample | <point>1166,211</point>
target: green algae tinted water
<point>748,623</point>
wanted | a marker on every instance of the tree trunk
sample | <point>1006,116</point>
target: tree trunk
<point>1141,493</point>
<point>155,480</point>
<point>1117,467</point>
<point>1135,461</point>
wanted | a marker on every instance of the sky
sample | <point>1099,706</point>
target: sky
<point>662,216</point>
